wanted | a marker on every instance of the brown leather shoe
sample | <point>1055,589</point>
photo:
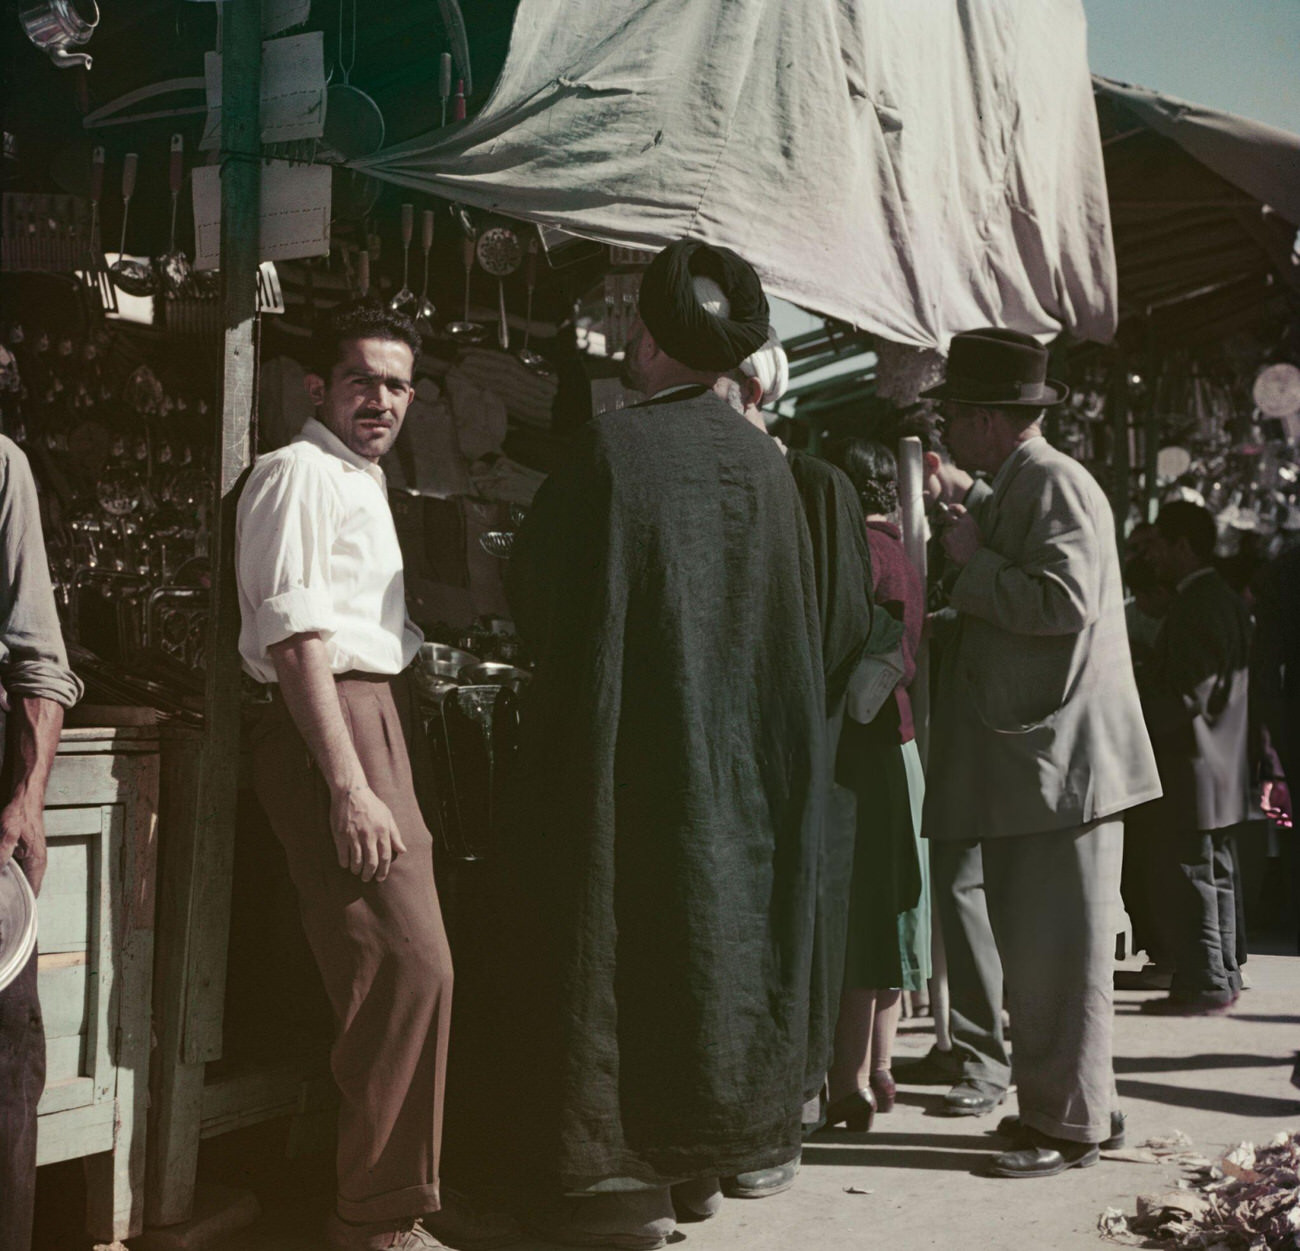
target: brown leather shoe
<point>461,1223</point>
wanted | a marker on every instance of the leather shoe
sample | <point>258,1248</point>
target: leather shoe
<point>1043,1156</point>
<point>762,1182</point>
<point>855,1111</point>
<point>935,1068</point>
<point>1211,1003</point>
<point>460,1222</point>
<point>973,1097</point>
<point>699,1200</point>
<point>1012,1127</point>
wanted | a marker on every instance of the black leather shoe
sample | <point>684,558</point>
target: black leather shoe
<point>973,1098</point>
<point>695,1201</point>
<point>935,1068</point>
<point>1042,1156</point>
<point>1011,1127</point>
<point>856,1111</point>
<point>763,1182</point>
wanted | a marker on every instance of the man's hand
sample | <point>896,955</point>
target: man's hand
<point>366,836</point>
<point>944,483</point>
<point>22,838</point>
<point>1275,801</point>
<point>962,538</point>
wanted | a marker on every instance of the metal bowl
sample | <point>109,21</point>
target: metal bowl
<point>17,923</point>
<point>491,673</point>
<point>445,653</point>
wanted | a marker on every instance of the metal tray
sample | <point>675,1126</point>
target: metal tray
<point>17,923</point>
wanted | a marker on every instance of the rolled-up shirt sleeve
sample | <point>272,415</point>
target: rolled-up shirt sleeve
<point>33,659</point>
<point>288,516</point>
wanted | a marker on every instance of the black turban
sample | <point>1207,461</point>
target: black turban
<point>672,313</point>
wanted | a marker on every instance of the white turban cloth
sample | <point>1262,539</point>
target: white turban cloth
<point>770,366</point>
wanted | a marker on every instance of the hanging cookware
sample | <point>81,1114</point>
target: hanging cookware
<point>531,360</point>
<point>129,275</point>
<point>354,127</point>
<point>465,330</point>
<point>54,26</point>
<point>500,253</point>
<point>405,298</point>
<point>425,310</point>
<point>173,267</point>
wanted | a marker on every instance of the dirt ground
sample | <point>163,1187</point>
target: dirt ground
<point>1219,1080</point>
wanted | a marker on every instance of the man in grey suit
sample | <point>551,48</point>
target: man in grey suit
<point>1038,743</point>
<point>1195,691</point>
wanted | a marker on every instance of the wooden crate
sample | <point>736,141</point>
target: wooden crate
<point>96,914</point>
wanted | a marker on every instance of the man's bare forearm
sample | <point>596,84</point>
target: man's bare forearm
<point>39,724</point>
<point>313,702</point>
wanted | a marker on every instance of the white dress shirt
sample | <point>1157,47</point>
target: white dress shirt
<point>316,550</point>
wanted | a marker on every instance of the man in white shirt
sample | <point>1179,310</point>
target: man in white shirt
<point>324,620</point>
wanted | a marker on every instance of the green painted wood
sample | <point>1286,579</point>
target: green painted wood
<point>65,1059</point>
<point>71,1092</point>
<point>63,918</point>
<point>64,1000</point>
<point>76,1133</point>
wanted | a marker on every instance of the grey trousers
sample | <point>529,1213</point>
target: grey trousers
<point>974,967</point>
<point>1051,899</point>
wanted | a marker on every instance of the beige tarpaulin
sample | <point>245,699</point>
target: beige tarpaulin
<point>915,167</point>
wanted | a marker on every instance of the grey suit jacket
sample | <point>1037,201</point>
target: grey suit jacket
<point>1195,691</point>
<point>1037,724</point>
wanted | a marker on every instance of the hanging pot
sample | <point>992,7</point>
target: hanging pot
<point>54,26</point>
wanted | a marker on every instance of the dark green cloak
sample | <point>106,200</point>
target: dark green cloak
<point>666,845</point>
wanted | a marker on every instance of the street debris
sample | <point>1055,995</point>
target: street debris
<point>857,1190</point>
<point>1248,1200</point>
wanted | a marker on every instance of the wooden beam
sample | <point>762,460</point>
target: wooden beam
<point>199,784</point>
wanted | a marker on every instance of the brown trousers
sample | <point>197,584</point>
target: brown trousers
<point>381,950</point>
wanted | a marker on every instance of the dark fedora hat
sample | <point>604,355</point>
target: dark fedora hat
<point>1003,368</point>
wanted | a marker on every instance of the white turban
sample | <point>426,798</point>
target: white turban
<point>770,366</point>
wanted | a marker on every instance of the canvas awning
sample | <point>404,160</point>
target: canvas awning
<point>912,169</point>
<point>1205,208</point>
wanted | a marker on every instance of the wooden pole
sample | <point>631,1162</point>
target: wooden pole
<point>194,906</point>
<point>911,499</point>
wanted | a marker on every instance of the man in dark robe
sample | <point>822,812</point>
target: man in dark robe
<point>666,849</point>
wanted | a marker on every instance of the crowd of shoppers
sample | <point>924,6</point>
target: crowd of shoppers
<point>722,862</point>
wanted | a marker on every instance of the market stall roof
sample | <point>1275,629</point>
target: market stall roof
<point>912,170</point>
<point>1205,208</point>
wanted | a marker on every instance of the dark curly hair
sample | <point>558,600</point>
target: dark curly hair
<point>358,320</point>
<point>872,469</point>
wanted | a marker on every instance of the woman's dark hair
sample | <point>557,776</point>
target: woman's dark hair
<point>872,469</point>
<point>358,320</point>
<point>1181,519</point>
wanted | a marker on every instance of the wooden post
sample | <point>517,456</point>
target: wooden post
<point>1121,462</point>
<point>194,911</point>
<point>911,499</point>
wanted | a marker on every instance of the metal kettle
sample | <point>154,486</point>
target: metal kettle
<point>55,26</point>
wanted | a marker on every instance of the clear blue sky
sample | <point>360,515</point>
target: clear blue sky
<point>1241,56</point>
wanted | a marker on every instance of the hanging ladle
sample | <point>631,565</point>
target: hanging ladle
<point>466,330</point>
<point>531,360</point>
<point>500,253</point>
<point>425,310</point>
<point>174,272</point>
<point>132,276</point>
<point>405,298</point>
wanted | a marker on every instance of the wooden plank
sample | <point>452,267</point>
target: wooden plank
<point>102,1022</point>
<point>65,1059</point>
<point>59,1096</point>
<point>60,960</point>
<point>176,1087</point>
<point>63,919</point>
<point>194,910</point>
<point>79,780</point>
<point>63,993</point>
<point>71,822</point>
<point>75,1133</point>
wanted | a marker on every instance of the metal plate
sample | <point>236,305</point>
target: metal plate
<point>17,923</point>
